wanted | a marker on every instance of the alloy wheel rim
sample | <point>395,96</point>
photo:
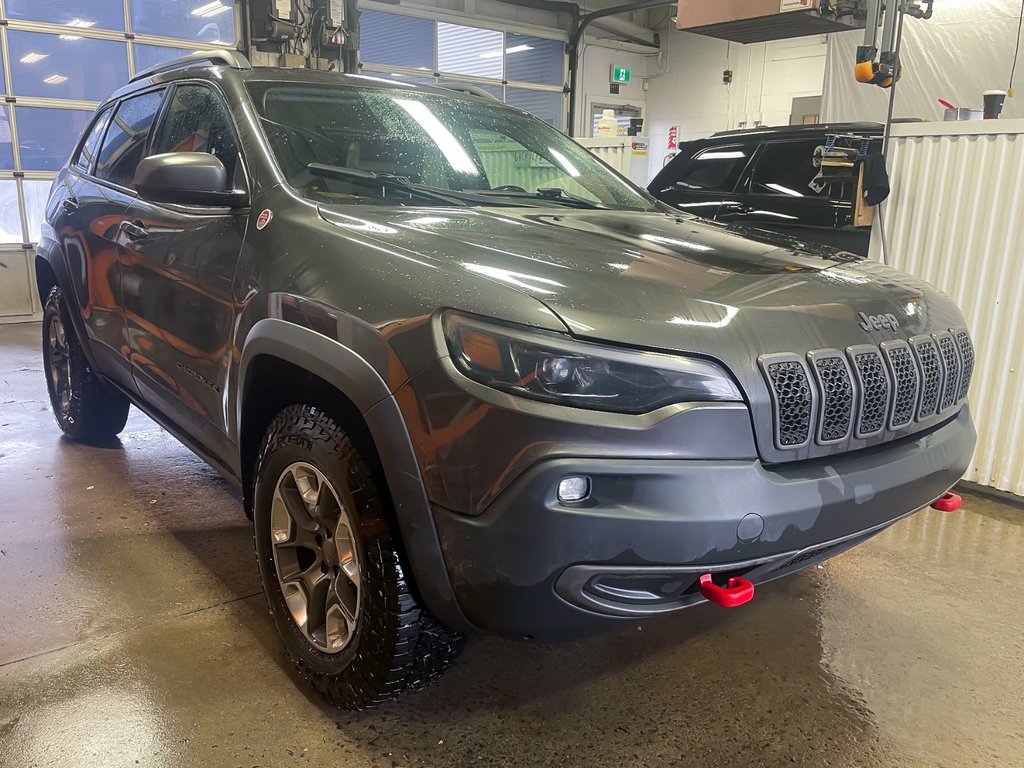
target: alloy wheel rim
<point>60,364</point>
<point>315,557</point>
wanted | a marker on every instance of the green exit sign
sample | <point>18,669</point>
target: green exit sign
<point>621,75</point>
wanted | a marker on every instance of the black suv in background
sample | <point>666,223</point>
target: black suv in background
<point>759,178</point>
<point>467,377</point>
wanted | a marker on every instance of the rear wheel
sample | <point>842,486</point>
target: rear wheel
<point>86,407</point>
<point>331,570</point>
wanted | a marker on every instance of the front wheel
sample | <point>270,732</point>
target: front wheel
<point>86,407</point>
<point>328,558</point>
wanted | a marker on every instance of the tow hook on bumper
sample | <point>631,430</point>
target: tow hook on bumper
<point>948,502</point>
<point>736,592</point>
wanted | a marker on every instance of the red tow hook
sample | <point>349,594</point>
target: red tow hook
<point>737,592</point>
<point>948,502</point>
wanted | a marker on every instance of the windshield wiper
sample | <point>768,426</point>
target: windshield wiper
<point>554,194</point>
<point>385,179</point>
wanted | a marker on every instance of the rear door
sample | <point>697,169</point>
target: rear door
<point>179,269</point>
<point>90,221</point>
<point>700,179</point>
<point>776,195</point>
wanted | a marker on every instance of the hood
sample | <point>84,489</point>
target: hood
<point>672,283</point>
<point>665,281</point>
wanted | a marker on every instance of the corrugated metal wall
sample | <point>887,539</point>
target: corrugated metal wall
<point>956,219</point>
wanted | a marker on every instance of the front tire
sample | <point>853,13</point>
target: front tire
<point>331,570</point>
<point>87,408</point>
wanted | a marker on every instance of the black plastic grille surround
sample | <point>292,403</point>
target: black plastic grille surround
<point>867,391</point>
<point>905,377</point>
<point>836,390</point>
<point>953,369</point>
<point>966,350</point>
<point>927,353</point>
<point>792,393</point>
<point>874,385</point>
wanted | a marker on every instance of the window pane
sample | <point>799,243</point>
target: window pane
<point>549,106</point>
<point>147,56</point>
<point>716,169</point>
<point>46,136</point>
<point>37,192</point>
<point>470,51</point>
<point>6,145</point>
<point>198,121</point>
<point>786,168</point>
<point>10,212</point>
<point>88,151</point>
<point>534,59</point>
<point>82,14</point>
<point>401,77</point>
<point>401,41</point>
<point>66,67</point>
<point>126,138</point>
<point>211,21</point>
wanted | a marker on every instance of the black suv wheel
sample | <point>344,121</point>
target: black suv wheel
<point>331,570</point>
<point>87,409</point>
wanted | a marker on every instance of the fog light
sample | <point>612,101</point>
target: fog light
<point>573,489</point>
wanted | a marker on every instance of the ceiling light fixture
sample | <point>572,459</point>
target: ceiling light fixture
<point>55,79</point>
<point>70,37</point>
<point>81,23</point>
<point>32,58</point>
<point>513,49</point>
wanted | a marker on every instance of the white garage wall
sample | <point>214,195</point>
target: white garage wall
<point>766,79</point>
<point>966,48</point>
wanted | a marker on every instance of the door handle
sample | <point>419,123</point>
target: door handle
<point>69,204</point>
<point>134,230</point>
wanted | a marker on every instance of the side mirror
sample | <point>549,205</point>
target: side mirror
<point>187,178</point>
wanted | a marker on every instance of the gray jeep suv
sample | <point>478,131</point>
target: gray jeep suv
<point>468,378</point>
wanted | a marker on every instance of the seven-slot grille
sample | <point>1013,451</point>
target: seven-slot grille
<point>867,390</point>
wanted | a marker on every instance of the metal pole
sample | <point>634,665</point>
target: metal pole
<point>350,38</point>
<point>579,27</point>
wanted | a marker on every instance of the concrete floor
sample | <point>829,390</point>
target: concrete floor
<point>133,632</point>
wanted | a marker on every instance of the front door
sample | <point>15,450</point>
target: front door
<point>701,183</point>
<point>179,265</point>
<point>777,197</point>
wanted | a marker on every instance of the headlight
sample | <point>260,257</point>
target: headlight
<point>545,366</point>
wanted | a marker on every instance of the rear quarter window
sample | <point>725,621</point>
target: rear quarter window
<point>87,152</point>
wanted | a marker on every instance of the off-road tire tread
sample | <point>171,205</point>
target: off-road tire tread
<point>414,649</point>
<point>99,412</point>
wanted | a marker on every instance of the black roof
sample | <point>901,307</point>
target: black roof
<point>816,129</point>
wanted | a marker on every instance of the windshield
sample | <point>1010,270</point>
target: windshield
<point>339,143</point>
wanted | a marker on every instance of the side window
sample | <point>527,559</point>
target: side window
<point>786,168</point>
<point>83,161</point>
<point>126,138</point>
<point>198,121</point>
<point>716,169</point>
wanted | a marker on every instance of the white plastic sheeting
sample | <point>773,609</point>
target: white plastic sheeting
<point>954,219</point>
<point>966,48</point>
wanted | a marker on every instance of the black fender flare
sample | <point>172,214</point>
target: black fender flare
<point>49,252</point>
<point>349,373</point>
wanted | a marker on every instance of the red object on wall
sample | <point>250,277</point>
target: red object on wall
<point>673,137</point>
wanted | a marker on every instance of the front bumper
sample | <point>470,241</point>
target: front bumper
<point>532,566</point>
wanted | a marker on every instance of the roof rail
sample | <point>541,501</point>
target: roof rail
<point>221,57</point>
<point>472,90</point>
